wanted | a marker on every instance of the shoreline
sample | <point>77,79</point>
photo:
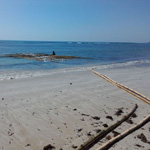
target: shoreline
<point>59,108</point>
<point>20,74</point>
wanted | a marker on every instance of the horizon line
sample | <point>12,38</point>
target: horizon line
<point>75,41</point>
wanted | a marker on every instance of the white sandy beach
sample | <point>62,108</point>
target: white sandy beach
<point>59,109</point>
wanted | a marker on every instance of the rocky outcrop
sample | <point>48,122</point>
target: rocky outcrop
<point>42,57</point>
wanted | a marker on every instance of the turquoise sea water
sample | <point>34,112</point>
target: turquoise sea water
<point>100,53</point>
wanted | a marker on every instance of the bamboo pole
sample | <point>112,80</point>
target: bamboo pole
<point>102,134</point>
<point>125,88</point>
<point>116,139</point>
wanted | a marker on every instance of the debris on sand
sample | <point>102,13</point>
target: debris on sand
<point>96,118</point>
<point>129,121</point>
<point>115,133</point>
<point>143,138</point>
<point>48,147</point>
<point>110,117</point>
<point>119,112</point>
<point>28,145</point>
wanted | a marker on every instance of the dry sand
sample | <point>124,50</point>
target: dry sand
<point>66,109</point>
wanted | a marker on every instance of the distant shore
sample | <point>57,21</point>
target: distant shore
<point>65,108</point>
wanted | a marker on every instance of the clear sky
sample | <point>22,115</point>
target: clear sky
<point>75,20</point>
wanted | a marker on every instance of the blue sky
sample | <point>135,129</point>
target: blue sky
<point>75,20</point>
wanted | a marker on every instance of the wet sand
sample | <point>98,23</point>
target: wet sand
<point>67,108</point>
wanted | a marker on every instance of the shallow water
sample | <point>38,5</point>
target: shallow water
<point>102,54</point>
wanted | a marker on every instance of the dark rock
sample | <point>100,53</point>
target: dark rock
<point>79,130</point>
<point>73,146</point>
<point>108,137</point>
<point>105,125</point>
<point>109,117</point>
<point>89,134</point>
<point>84,115</point>
<point>48,147</point>
<point>139,145</point>
<point>2,99</point>
<point>10,134</point>
<point>96,118</point>
<point>134,115</point>
<point>28,145</point>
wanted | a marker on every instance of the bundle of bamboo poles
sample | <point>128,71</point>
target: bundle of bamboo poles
<point>125,88</point>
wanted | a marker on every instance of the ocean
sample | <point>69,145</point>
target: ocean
<point>102,54</point>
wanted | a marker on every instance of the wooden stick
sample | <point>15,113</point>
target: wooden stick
<point>116,139</point>
<point>102,134</point>
<point>125,88</point>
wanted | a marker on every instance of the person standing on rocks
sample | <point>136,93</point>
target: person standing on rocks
<point>53,53</point>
